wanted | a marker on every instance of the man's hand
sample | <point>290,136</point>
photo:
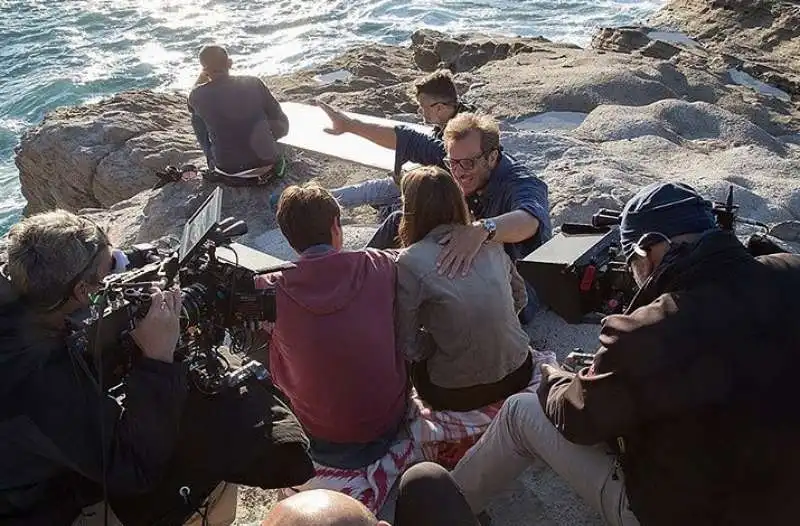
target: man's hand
<point>157,334</point>
<point>460,248</point>
<point>341,122</point>
<point>202,78</point>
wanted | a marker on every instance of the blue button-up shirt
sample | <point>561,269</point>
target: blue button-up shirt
<point>511,187</point>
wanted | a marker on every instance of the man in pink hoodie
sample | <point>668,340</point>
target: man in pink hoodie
<point>333,349</point>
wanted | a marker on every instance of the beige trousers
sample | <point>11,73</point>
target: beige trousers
<point>521,432</point>
<point>221,510</point>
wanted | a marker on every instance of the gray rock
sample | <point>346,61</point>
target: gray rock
<point>676,121</point>
<point>761,34</point>
<point>100,154</point>
<point>620,39</point>
<point>58,161</point>
<point>465,52</point>
<point>659,49</point>
<point>272,241</point>
<point>633,39</point>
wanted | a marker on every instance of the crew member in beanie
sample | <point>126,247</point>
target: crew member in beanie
<point>687,415</point>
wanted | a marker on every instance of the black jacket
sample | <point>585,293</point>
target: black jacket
<point>50,437</point>
<point>695,388</point>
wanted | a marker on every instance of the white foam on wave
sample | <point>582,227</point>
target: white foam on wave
<point>340,75</point>
<point>551,121</point>
<point>12,125</point>
<point>745,79</point>
<point>11,194</point>
<point>674,37</point>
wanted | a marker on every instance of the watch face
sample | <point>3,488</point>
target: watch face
<point>490,227</point>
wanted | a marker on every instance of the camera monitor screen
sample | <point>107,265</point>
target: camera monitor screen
<point>200,225</point>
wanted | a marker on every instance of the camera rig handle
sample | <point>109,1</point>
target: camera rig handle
<point>606,217</point>
<point>228,229</point>
<point>726,214</point>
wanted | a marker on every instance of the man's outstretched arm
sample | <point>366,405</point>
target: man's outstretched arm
<point>409,144</point>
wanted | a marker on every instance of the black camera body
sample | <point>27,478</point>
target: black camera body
<point>221,307</point>
<point>581,272</point>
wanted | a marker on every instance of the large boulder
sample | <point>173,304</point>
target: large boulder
<point>763,36</point>
<point>564,79</point>
<point>619,149</point>
<point>461,53</point>
<point>98,154</point>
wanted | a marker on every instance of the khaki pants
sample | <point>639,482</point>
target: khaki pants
<point>521,432</point>
<point>221,510</point>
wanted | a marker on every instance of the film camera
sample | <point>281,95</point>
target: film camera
<point>221,308</point>
<point>235,425</point>
<point>581,272</point>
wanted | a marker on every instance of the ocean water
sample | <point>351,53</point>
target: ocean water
<point>64,52</point>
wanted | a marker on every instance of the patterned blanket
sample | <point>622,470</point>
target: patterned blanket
<point>437,436</point>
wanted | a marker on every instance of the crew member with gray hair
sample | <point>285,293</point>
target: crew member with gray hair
<point>61,436</point>
<point>687,415</point>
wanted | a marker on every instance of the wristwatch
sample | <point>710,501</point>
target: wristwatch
<point>490,226</point>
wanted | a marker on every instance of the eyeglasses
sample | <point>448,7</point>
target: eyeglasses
<point>644,244</point>
<point>465,164</point>
<point>431,105</point>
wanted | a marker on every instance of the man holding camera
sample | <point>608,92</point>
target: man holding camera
<point>687,414</point>
<point>62,439</point>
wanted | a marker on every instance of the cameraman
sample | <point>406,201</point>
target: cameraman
<point>689,407</point>
<point>61,437</point>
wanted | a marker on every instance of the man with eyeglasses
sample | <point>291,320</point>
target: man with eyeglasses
<point>688,413</point>
<point>509,204</point>
<point>437,103</point>
<point>61,437</point>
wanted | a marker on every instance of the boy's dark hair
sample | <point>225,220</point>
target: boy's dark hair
<point>438,84</point>
<point>306,214</point>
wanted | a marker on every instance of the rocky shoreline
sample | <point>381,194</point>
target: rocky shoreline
<point>708,93</point>
<point>642,104</point>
